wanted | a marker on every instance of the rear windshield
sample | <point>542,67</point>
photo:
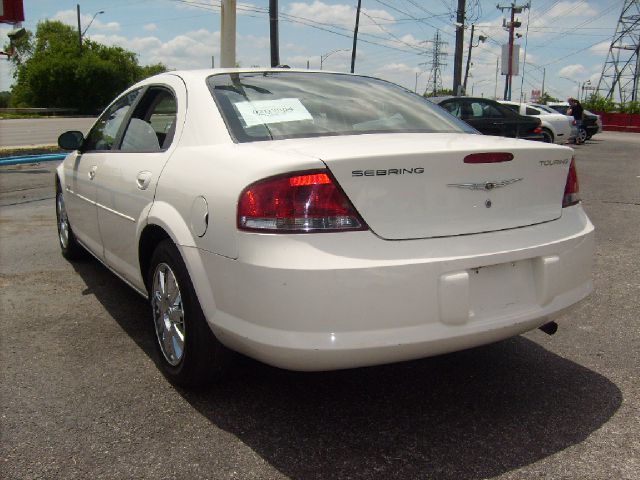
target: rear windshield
<point>277,105</point>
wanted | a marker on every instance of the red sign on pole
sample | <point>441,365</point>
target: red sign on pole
<point>11,11</point>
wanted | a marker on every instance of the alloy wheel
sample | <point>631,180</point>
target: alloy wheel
<point>168,314</point>
<point>582,135</point>
<point>63,221</point>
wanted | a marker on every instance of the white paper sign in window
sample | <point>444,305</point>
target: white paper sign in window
<point>272,111</point>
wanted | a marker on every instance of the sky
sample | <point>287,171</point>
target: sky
<point>565,41</point>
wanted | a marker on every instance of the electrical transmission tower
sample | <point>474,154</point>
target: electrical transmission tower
<point>621,69</point>
<point>438,56</point>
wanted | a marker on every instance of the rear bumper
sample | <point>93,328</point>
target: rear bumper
<point>319,302</point>
<point>537,137</point>
<point>592,129</point>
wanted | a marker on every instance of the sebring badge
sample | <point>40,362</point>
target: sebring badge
<point>485,185</point>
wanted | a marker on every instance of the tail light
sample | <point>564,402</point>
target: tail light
<point>571,189</point>
<point>537,130</point>
<point>574,123</point>
<point>302,202</point>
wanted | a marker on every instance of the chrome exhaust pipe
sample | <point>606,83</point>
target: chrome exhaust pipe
<point>549,328</point>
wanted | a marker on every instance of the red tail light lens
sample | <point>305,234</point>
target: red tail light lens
<point>537,130</point>
<point>302,202</point>
<point>571,189</point>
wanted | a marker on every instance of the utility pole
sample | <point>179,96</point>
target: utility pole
<point>466,72</point>
<point>79,28</point>
<point>355,38</point>
<point>273,33</point>
<point>228,34</point>
<point>512,25</point>
<point>495,92</point>
<point>481,38</point>
<point>457,62</point>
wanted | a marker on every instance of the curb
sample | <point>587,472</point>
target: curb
<point>48,157</point>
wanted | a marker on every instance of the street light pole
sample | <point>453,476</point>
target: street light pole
<point>80,31</point>
<point>327,55</point>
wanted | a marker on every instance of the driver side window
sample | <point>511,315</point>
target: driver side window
<point>104,133</point>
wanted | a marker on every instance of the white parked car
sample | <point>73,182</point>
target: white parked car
<point>319,221</point>
<point>556,127</point>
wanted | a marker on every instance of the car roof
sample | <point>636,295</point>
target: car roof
<point>439,98</point>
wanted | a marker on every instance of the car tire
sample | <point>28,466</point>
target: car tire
<point>69,246</point>
<point>582,136</point>
<point>189,354</point>
<point>547,135</point>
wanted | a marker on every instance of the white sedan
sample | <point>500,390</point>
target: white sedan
<point>319,221</point>
<point>556,127</point>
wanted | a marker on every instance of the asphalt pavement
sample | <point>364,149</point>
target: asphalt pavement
<point>81,397</point>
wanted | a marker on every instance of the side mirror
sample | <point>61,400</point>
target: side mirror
<point>71,140</point>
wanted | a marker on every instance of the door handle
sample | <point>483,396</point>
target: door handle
<point>143,180</point>
<point>92,172</point>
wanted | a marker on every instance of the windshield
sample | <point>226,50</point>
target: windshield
<point>278,105</point>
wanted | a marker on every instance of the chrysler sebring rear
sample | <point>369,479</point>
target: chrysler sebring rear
<point>319,221</point>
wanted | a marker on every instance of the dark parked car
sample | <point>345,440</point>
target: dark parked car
<point>491,118</point>
<point>590,121</point>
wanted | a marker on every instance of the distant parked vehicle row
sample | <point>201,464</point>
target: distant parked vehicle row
<point>491,118</point>
<point>592,122</point>
<point>556,127</point>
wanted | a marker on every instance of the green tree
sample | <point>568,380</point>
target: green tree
<point>51,71</point>
<point>443,92</point>
<point>4,99</point>
<point>546,98</point>
<point>596,103</point>
<point>629,107</point>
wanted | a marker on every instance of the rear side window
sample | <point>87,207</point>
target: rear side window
<point>152,123</point>
<point>270,105</point>
<point>532,111</point>
<point>514,108</point>
<point>485,110</point>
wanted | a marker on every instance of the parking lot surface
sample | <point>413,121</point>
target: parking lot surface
<point>80,396</point>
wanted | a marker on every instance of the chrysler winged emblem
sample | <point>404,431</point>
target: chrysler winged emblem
<point>485,185</point>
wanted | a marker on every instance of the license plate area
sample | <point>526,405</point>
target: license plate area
<point>500,290</point>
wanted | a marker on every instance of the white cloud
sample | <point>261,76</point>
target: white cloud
<point>190,50</point>
<point>70,17</point>
<point>572,71</point>
<point>342,15</point>
<point>214,6</point>
<point>150,27</point>
<point>601,48</point>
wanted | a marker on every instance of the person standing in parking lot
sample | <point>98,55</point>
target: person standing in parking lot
<point>576,111</point>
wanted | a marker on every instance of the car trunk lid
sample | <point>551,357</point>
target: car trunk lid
<point>409,186</point>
